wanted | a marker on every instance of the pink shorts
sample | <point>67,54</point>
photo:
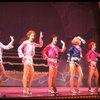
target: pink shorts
<point>52,62</point>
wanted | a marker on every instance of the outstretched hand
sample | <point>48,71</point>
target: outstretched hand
<point>41,35</point>
<point>62,42</point>
<point>81,39</point>
<point>12,38</point>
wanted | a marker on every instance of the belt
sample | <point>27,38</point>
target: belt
<point>51,59</point>
<point>75,58</point>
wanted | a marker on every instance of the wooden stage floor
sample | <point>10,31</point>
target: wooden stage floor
<point>42,93</point>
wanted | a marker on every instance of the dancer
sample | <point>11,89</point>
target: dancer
<point>73,56</point>
<point>26,51</point>
<point>3,76</point>
<point>50,53</point>
<point>92,58</point>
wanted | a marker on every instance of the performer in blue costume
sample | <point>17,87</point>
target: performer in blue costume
<point>73,56</point>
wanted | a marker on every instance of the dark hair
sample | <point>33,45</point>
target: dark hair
<point>53,35</point>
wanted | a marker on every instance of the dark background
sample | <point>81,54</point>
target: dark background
<point>66,19</point>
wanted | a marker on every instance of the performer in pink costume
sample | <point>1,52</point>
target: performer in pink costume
<point>26,51</point>
<point>50,53</point>
<point>91,57</point>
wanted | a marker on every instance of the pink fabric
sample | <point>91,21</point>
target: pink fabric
<point>52,62</point>
<point>50,52</point>
<point>27,48</point>
<point>92,55</point>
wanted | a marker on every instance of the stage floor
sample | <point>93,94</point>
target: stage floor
<point>42,93</point>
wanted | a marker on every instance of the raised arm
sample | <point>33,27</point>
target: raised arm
<point>41,40</point>
<point>10,45</point>
<point>12,40</point>
<point>40,44</point>
<point>83,41</point>
<point>63,46</point>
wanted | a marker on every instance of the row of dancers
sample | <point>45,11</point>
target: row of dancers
<point>26,51</point>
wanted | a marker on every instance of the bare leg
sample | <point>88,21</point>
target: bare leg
<point>72,73</point>
<point>25,76</point>
<point>51,71</point>
<point>96,74</point>
<point>30,78</point>
<point>79,70</point>
<point>2,72</point>
<point>90,77</point>
<point>54,80</point>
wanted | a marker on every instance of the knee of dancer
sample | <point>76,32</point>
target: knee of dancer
<point>97,76</point>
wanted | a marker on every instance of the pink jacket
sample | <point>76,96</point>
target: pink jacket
<point>51,51</point>
<point>27,48</point>
<point>92,55</point>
